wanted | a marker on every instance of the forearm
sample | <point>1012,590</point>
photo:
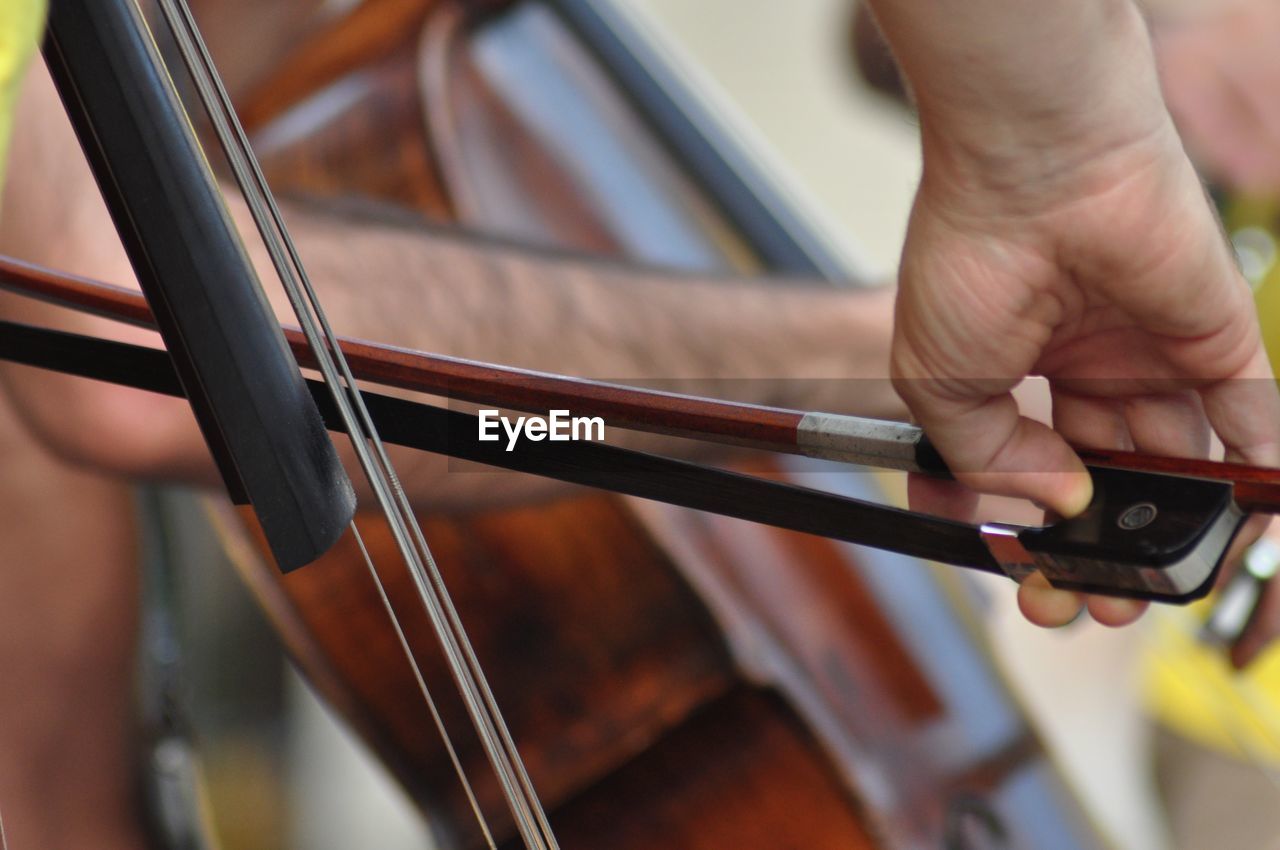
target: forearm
<point>438,292</point>
<point>791,344</point>
<point>1026,87</point>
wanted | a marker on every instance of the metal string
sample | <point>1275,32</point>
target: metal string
<point>422,687</point>
<point>508,766</point>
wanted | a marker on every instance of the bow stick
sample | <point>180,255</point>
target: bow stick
<point>883,444</point>
<point>1158,528</point>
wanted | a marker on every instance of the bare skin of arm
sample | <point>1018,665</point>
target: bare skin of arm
<point>1060,230</point>
<point>803,346</point>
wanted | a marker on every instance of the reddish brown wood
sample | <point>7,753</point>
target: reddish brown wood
<point>1257,488</point>
<point>593,654</point>
<point>329,134</point>
<point>488,182</point>
<point>726,760</point>
<point>342,46</point>
<point>64,290</point>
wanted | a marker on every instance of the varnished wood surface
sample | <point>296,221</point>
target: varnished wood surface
<point>593,653</point>
<point>743,758</point>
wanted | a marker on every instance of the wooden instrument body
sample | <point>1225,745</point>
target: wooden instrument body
<point>672,679</point>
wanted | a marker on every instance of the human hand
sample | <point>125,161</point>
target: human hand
<point>1099,264</point>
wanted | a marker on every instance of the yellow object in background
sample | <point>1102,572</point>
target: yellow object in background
<point>1192,690</point>
<point>1253,225</point>
<point>21,23</point>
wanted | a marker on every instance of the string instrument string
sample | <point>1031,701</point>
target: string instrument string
<point>517,788</point>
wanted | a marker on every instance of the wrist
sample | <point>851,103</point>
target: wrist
<point>1057,85</point>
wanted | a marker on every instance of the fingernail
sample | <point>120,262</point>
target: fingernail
<point>1079,494</point>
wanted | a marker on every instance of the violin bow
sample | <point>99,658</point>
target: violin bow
<point>1158,529</point>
